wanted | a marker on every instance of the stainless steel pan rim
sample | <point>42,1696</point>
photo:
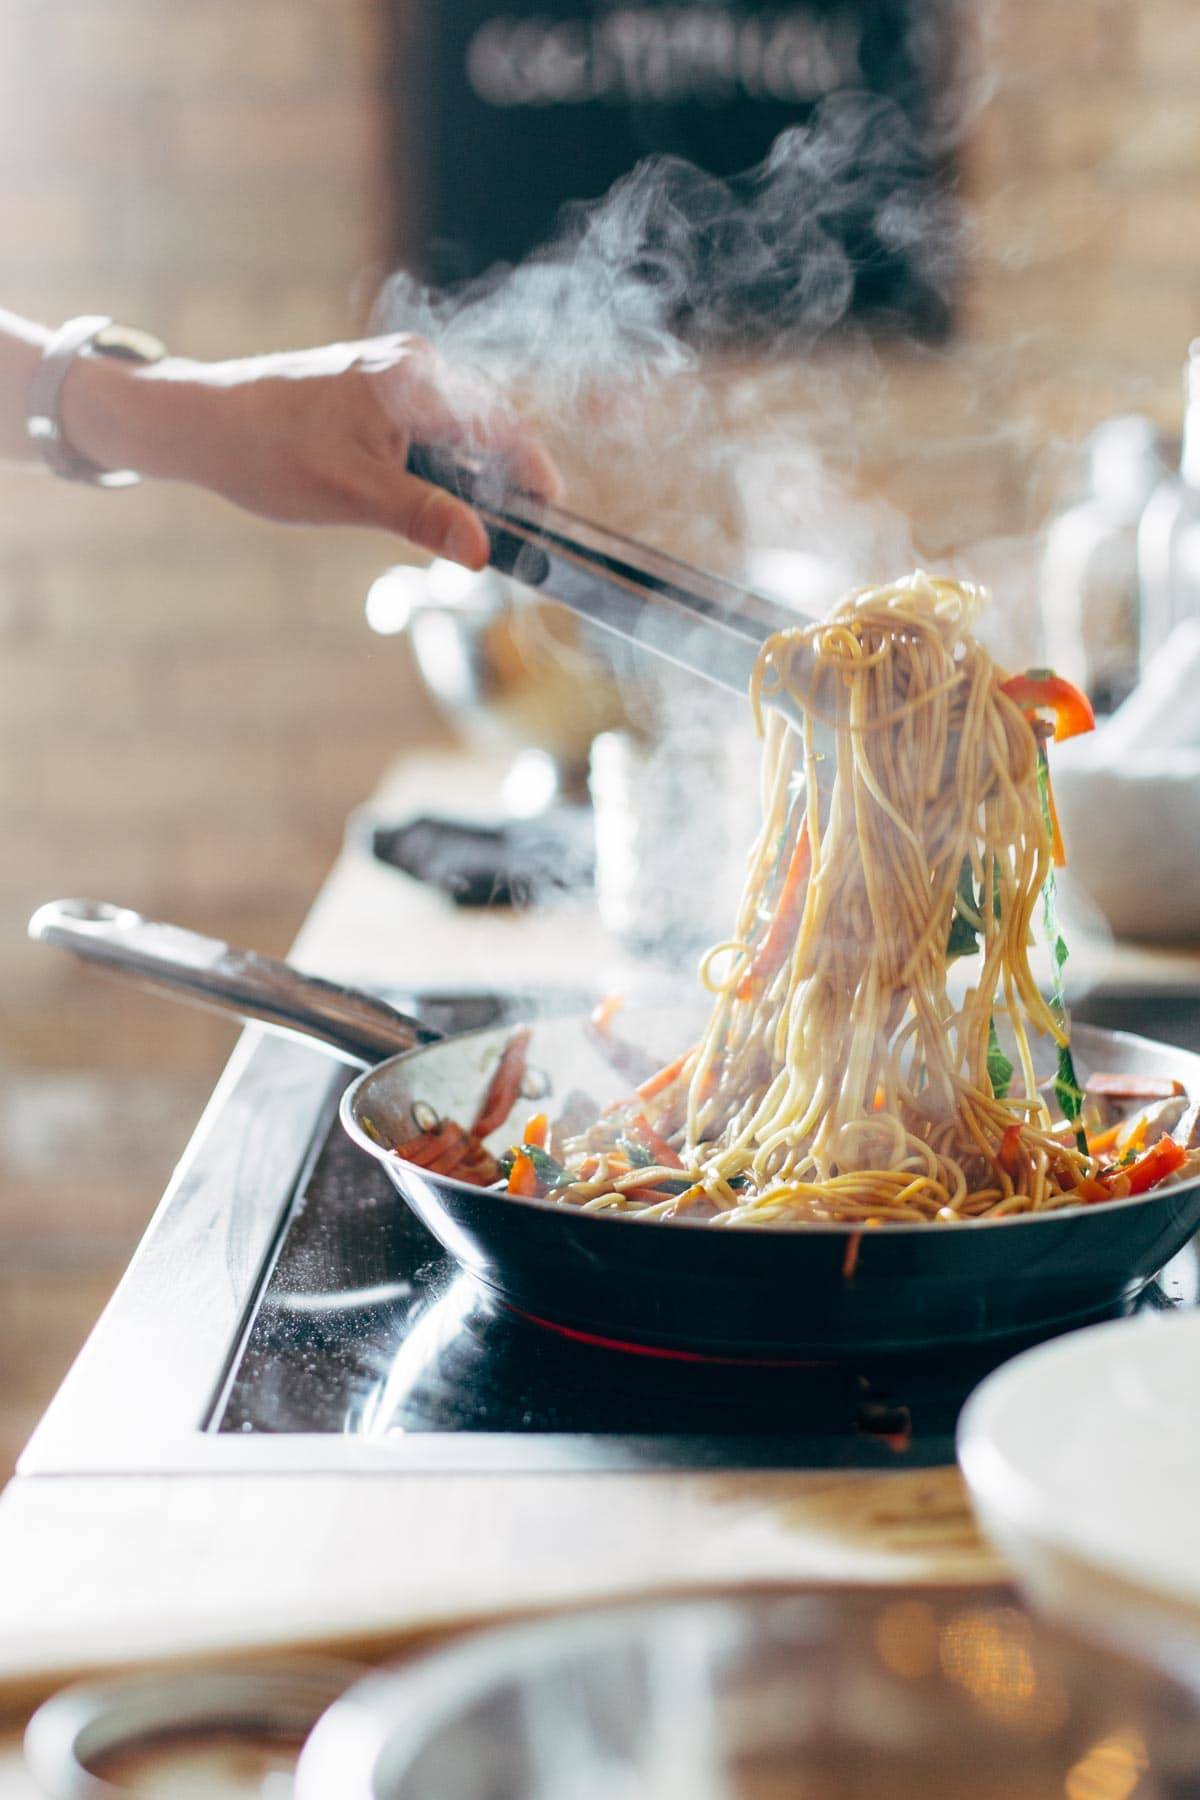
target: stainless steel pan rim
<point>766,1290</point>
<point>366,1032</point>
<point>1082,1036</point>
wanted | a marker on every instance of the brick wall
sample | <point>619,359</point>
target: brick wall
<point>189,702</point>
<point>189,699</point>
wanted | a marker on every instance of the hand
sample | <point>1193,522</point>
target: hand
<point>315,437</point>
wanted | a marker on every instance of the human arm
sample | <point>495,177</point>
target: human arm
<point>311,436</point>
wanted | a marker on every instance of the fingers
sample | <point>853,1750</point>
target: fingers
<point>434,521</point>
<point>432,402</point>
<point>532,467</point>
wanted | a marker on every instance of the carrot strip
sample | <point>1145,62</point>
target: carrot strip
<point>606,1010</point>
<point>1090,1191</point>
<point>641,1128</point>
<point>787,917</point>
<point>1105,1140</point>
<point>522,1178</point>
<point>650,1090</point>
<point>535,1131</point>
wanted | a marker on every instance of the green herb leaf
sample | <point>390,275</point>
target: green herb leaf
<point>546,1167</point>
<point>639,1156</point>
<point>999,1068</point>
<point>963,939</point>
<point>1066,1082</point>
<point>1070,1095</point>
<point>1066,1085</point>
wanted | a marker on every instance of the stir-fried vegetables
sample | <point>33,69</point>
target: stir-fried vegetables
<point>1154,1166</point>
<point>775,946</point>
<point>1041,691</point>
<point>505,1085</point>
<point>1125,1181</point>
<point>535,1132</point>
<point>633,1154</point>
<point>522,1177</point>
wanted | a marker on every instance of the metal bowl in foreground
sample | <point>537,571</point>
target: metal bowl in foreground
<point>957,1693</point>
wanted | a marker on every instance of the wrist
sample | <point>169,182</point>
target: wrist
<point>124,415</point>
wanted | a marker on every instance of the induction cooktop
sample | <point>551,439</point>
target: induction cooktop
<point>365,1327</point>
<point>286,1311</point>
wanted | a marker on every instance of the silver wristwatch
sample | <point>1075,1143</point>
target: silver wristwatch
<point>89,336</point>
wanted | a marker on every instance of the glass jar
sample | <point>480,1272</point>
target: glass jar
<point>1089,583</point>
<point>676,812</point>
<point>1169,537</point>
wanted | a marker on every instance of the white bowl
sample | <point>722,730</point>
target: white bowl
<point>1131,826</point>
<point>1083,1461</point>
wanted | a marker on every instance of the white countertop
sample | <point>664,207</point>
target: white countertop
<point>118,1569</point>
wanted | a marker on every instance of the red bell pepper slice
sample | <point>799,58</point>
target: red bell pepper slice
<point>1008,1156</point>
<point>1162,1160</point>
<point>1040,690</point>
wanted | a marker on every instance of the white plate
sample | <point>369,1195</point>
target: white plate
<point>1083,1460</point>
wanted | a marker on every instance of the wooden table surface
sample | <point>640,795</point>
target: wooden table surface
<point>99,1572</point>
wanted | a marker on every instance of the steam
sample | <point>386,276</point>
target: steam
<point>648,336</point>
<point>725,367</point>
<point>674,262</point>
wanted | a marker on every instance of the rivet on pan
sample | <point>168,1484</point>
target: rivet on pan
<point>424,1116</point>
<point>535,1084</point>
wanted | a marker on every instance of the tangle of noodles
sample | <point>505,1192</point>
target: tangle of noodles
<point>837,1077</point>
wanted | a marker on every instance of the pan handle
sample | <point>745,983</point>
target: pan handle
<point>356,1027</point>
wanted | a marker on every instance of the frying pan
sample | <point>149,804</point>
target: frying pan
<point>819,1291</point>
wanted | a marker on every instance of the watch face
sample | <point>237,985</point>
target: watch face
<point>129,342</point>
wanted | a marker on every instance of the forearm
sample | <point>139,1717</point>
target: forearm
<point>312,437</point>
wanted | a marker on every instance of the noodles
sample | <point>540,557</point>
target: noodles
<point>838,1077</point>
<point>867,1055</point>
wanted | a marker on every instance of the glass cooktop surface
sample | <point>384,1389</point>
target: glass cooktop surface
<point>363,1325</point>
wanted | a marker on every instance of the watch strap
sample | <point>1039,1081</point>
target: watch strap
<point>89,335</point>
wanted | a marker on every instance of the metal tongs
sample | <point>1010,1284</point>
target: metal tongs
<point>699,622</point>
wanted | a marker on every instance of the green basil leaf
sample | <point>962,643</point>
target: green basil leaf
<point>546,1167</point>
<point>639,1156</point>
<point>1066,1083</point>
<point>963,938</point>
<point>999,1068</point>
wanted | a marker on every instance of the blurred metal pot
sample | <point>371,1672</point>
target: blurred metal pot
<point>512,673</point>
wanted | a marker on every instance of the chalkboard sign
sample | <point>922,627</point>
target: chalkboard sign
<point>805,132</point>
